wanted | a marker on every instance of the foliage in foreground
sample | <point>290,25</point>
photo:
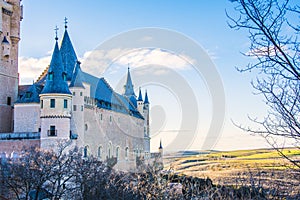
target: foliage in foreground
<point>273,30</point>
<point>37,174</point>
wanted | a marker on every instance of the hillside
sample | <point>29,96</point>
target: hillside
<point>260,167</point>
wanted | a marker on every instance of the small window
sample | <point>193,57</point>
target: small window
<point>101,116</point>
<point>50,76</point>
<point>109,150</point>
<point>64,75</point>
<point>110,118</point>
<point>73,93</point>
<point>74,108</point>
<point>65,103</point>
<point>52,131</point>
<point>42,103</point>
<point>100,152</point>
<point>81,108</point>
<point>126,153</point>
<point>117,152</point>
<point>80,93</point>
<point>86,127</point>
<point>28,95</point>
<point>85,152</point>
<point>8,101</point>
<point>52,103</point>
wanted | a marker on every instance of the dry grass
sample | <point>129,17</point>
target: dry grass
<point>262,167</point>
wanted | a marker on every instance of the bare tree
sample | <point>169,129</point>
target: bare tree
<point>273,28</point>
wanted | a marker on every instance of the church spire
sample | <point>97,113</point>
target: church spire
<point>68,54</point>
<point>56,82</point>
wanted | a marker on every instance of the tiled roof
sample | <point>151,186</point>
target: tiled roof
<point>108,99</point>
<point>31,95</point>
<point>76,78</point>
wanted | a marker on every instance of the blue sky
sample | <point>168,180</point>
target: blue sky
<point>94,22</point>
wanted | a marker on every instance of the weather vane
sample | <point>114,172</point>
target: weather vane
<point>56,29</point>
<point>66,22</point>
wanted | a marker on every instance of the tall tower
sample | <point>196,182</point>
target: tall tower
<point>146,125</point>
<point>11,15</point>
<point>56,101</point>
<point>140,102</point>
<point>77,120</point>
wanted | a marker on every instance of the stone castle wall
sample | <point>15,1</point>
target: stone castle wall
<point>116,134</point>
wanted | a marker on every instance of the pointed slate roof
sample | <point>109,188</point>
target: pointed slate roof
<point>107,98</point>
<point>55,82</point>
<point>160,145</point>
<point>146,98</point>
<point>76,78</point>
<point>140,95</point>
<point>68,54</point>
<point>31,95</point>
<point>129,86</point>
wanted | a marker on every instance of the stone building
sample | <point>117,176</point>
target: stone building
<point>68,104</point>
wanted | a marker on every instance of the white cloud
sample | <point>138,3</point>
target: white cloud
<point>31,68</point>
<point>97,61</point>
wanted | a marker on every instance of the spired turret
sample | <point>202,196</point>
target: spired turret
<point>140,102</point>
<point>146,124</point>
<point>77,120</point>
<point>160,149</point>
<point>129,92</point>
<point>56,101</point>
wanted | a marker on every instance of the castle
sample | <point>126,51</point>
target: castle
<point>68,104</point>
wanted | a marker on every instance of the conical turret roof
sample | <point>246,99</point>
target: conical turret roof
<point>56,76</point>
<point>146,98</point>
<point>129,86</point>
<point>68,54</point>
<point>140,98</point>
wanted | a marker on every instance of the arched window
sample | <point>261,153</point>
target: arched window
<point>85,152</point>
<point>64,76</point>
<point>100,152</point>
<point>117,152</point>
<point>126,153</point>
<point>109,150</point>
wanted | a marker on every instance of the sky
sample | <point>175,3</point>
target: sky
<point>183,101</point>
